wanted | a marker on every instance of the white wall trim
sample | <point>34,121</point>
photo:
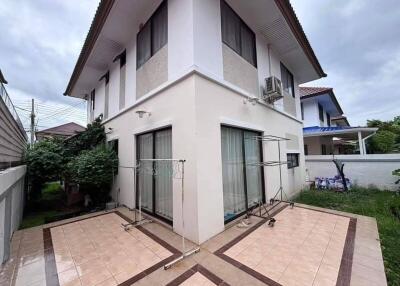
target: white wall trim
<point>240,124</point>
<point>198,71</point>
<point>152,126</point>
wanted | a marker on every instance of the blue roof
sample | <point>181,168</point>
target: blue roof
<point>317,129</point>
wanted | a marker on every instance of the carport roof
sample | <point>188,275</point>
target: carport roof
<point>338,131</point>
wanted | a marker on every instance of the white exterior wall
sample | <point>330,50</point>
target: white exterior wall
<point>217,105</point>
<point>194,42</point>
<point>311,113</point>
<point>114,82</point>
<point>363,170</point>
<point>195,108</point>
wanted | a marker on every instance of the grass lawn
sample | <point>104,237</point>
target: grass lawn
<point>383,205</point>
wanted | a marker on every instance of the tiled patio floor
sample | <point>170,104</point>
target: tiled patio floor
<point>307,246</point>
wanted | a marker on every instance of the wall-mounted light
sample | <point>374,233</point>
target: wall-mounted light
<point>252,100</point>
<point>141,113</point>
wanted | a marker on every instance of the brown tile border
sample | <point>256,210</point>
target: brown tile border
<point>50,261</point>
<point>201,269</point>
<point>344,275</point>
<point>346,264</point>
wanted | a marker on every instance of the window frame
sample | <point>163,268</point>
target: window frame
<point>92,99</point>
<point>290,76</point>
<point>242,130</point>
<point>153,191</point>
<point>242,25</point>
<point>290,161</point>
<point>163,4</point>
<point>328,119</point>
<point>321,113</point>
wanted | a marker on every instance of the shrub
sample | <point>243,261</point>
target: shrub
<point>93,170</point>
<point>45,163</point>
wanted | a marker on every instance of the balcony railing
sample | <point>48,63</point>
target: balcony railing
<point>10,106</point>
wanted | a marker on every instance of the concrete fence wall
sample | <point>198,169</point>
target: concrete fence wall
<point>11,206</point>
<point>363,170</point>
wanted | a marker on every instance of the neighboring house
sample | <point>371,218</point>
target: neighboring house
<point>326,130</point>
<point>13,137</point>
<point>62,131</point>
<point>185,79</point>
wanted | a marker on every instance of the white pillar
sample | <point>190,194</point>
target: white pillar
<point>361,144</point>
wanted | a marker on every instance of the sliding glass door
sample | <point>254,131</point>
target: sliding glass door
<point>154,178</point>
<point>242,181</point>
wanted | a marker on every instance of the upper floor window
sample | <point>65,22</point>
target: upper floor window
<point>302,110</point>
<point>237,35</point>
<point>321,112</point>
<point>153,35</point>
<point>287,80</point>
<point>328,119</point>
<point>92,99</point>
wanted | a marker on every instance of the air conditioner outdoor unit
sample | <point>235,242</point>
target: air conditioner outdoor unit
<point>273,89</point>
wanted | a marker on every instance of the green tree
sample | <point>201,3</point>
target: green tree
<point>45,163</point>
<point>387,139</point>
<point>93,170</point>
<point>382,142</point>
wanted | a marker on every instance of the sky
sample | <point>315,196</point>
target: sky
<point>357,43</point>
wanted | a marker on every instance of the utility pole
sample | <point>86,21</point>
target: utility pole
<point>33,122</point>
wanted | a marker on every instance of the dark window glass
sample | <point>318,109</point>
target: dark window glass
<point>306,149</point>
<point>287,80</point>
<point>323,149</point>
<point>321,112</point>
<point>292,160</point>
<point>302,111</point>
<point>92,98</point>
<point>328,119</point>
<point>122,59</point>
<point>237,35</point>
<point>153,35</point>
<point>113,144</point>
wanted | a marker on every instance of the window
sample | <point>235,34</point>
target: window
<point>92,99</point>
<point>287,80</point>
<point>153,35</point>
<point>302,111</point>
<point>328,119</point>
<point>154,180</point>
<point>292,160</point>
<point>323,149</point>
<point>237,35</point>
<point>113,144</point>
<point>243,183</point>
<point>321,112</point>
<point>306,149</point>
<point>122,59</point>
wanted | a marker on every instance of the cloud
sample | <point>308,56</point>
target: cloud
<point>39,44</point>
<point>357,46</point>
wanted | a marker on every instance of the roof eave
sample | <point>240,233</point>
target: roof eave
<point>290,16</point>
<point>103,10</point>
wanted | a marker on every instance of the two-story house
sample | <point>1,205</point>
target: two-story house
<point>326,130</point>
<point>186,79</point>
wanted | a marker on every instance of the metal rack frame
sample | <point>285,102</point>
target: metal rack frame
<point>260,210</point>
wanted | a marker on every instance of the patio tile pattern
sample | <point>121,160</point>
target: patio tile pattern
<point>98,251</point>
<point>198,276</point>
<point>34,261</point>
<point>305,247</point>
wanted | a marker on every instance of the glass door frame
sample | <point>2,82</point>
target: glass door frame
<point>242,130</point>
<point>153,184</point>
